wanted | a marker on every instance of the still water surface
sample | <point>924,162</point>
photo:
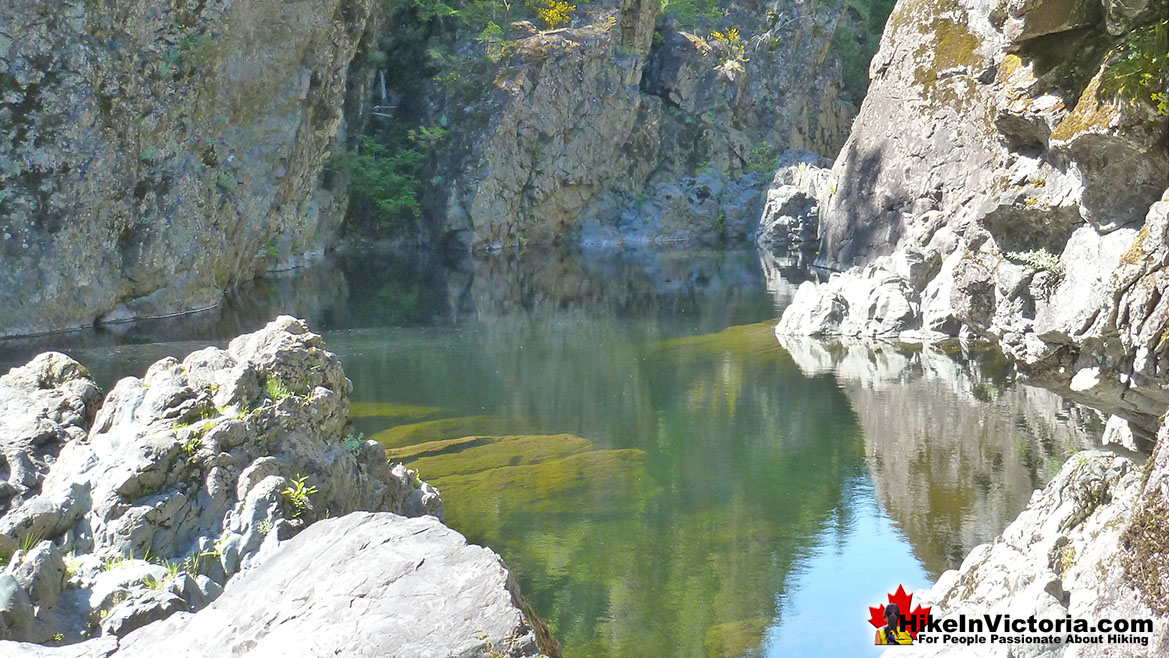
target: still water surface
<point>662,475</point>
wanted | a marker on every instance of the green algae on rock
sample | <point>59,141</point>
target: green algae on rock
<point>473,454</point>
<point>444,428</point>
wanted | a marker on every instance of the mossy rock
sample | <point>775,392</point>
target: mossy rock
<point>754,342</point>
<point>445,428</point>
<point>477,503</point>
<point>1146,557</point>
<point>473,454</point>
<point>1092,114</point>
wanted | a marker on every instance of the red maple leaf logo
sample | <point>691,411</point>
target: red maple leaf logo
<point>902,601</point>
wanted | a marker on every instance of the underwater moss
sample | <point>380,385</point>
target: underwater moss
<point>475,503</point>
<point>474,454</point>
<point>445,428</point>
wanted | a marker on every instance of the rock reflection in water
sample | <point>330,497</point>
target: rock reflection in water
<point>954,444</point>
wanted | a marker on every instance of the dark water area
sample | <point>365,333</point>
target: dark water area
<point>662,475</point>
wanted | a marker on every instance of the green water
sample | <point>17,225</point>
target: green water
<point>662,476</point>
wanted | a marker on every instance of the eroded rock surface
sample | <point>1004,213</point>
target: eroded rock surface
<point>360,585</point>
<point>997,140</point>
<point>184,478</point>
<point>154,154</point>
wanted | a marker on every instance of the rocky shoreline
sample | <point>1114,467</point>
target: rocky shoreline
<point>218,499</point>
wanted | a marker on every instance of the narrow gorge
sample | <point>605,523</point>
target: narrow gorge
<point>716,319</point>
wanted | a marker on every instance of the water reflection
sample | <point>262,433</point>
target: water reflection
<point>664,478</point>
<point>954,445</point>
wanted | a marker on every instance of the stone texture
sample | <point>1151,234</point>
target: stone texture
<point>198,469</point>
<point>791,212</point>
<point>604,134</point>
<point>360,585</point>
<point>155,154</point>
<point>1051,561</point>
<point>43,405</point>
<point>1012,160</point>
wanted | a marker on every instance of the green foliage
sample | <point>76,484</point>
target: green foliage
<point>30,541</point>
<point>147,154</point>
<point>554,13</point>
<point>1039,259</point>
<point>298,494</point>
<point>692,13</point>
<point>494,43</point>
<point>384,181</point>
<point>275,388</point>
<point>353,444</point>
<point>429,136</point>
<point>763,158</point>
<point>192,445</point>
<point>732,44</point>
<point>225,180</point>
<point>1140,71</point>
<point>429,10</point>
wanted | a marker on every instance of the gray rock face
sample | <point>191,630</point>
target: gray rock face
<point>43,405</point>
<point>878,300</point>
<point>605,134</point>
<point>1052,561</point>
<point>154,155</point>
<point>360,585</point>
<point>965,134</point>
<point>197,469</point>
<point>791,212</point>
<point>1036,187</point>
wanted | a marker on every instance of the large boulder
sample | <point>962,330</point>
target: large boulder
<point>360,585</point>
<point>195,468</point>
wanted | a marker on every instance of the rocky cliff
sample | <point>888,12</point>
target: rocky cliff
<point>154,154</point>
<point>115,517</point>
<point>1005,179</point>
<point>627,125</point>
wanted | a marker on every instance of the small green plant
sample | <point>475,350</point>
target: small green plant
<point>428,136</point>
<point>731,42</point>
<point>1140,70</point>
<point>1038,259</point>
<point>57,637</point>
<point>494,43</point>
<point>30,541</point>
<point>690,13</point>
<point>225,180</point>
<point>264,527</point>
<point>275,388</point>
<point>147,154</point>
<point>353,444</point>
<point>762,159</point>
<point>152,583</point>
<point>111,563</point>
<point>192,445</point>
<point>298,494</point>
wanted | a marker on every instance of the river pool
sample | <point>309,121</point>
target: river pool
<point>662,475</point>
